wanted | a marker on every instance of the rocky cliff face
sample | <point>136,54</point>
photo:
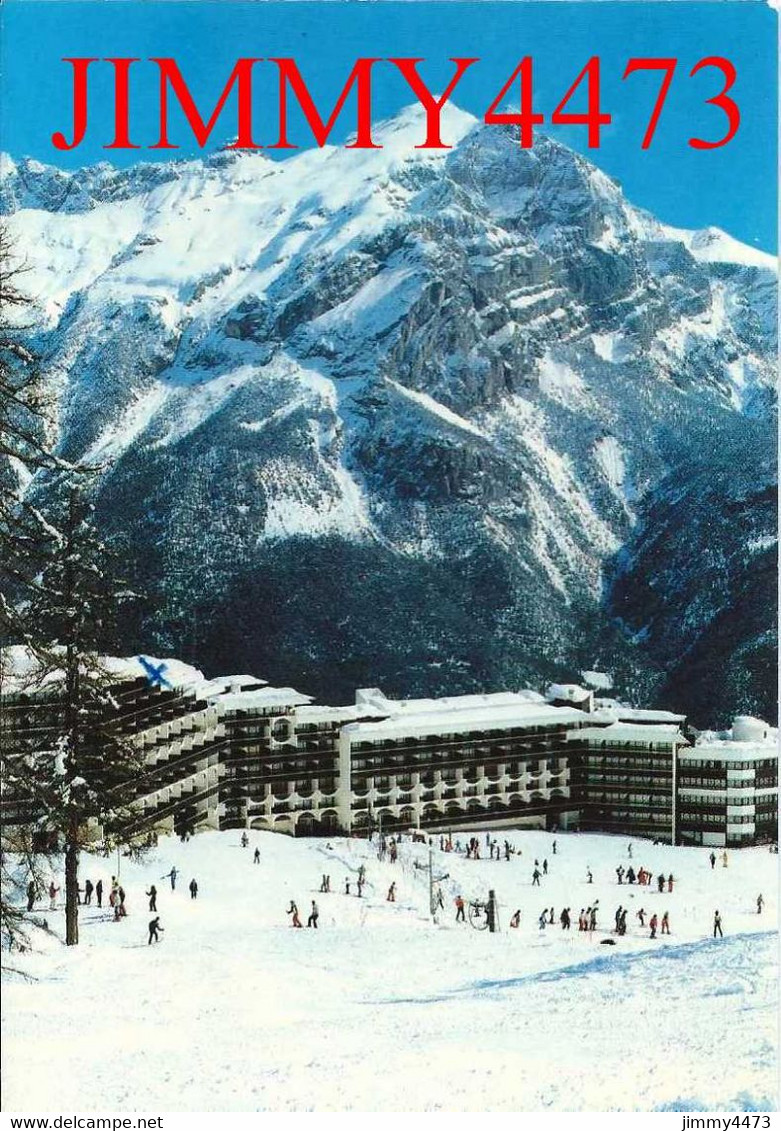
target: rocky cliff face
<point>433,422</point>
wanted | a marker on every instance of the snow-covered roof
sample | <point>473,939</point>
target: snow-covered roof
<point>572,692</point>
<point>724,750</point>
<point>640,715</point>
<point>374,698</point>
<point>214,689</point>
<point>463,720</point>
<point>261,699</point>
<point>745,728</point>
<point>622,712</point>
<point>628,732</point>
<point>21,671</point>
<point>316,713</point>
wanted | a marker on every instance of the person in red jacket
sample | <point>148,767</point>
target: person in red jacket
<point>293,910</point>
<point>460,909</point>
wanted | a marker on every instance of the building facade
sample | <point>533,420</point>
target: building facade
<point>236,752</point>
<point>728,787</point>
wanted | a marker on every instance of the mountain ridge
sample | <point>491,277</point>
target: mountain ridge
<point>465,383</point>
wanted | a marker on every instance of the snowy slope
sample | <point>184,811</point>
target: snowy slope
<point>382,1010</point>
<point>415,370</point>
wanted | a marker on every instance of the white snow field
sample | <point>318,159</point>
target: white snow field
<point>379,1009</point>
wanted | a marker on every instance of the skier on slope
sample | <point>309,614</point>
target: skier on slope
<point>660,882</point>
<point>666,923</point>
<point>193,889</point>
<point>460,909</point>
<point>88,890</point>
<point>314,916</point>
<point>99,892</point>
<point>641,916</point>
<point>293,910</point>
<point>536,877</point>
<point>760,902</point>
<point>152,893</point>
<point>392,893</point>
<point>717,925</point>
<point>172,876</point>
<point>31,893</point>
<point>653,924</point>
<point>256,856</point>
<point>154,927</point>
<point>712,860</point>
<point>516,919</point>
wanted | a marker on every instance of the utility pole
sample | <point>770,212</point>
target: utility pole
<point>432,879</point>
<point>491,911</point>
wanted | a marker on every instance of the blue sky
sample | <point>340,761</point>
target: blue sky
<point>734,187</point>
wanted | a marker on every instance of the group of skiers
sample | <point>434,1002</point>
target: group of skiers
<point>587,919</point>
<point>537,873</point>
<point>53,891</point>
<point>314,915</point>
<point>644,877</point>
<point>388,847</point>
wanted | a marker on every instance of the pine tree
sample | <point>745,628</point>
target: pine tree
<point>84,771</point>
<point>66,767</point>
<point>24,428</point>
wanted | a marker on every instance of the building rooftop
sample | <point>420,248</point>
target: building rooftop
<point>625,713</point>
<point>374,698</point>
<point>572,692</point>
<point>478,717</point>
<point>262,698</point>
<point>22,671</point>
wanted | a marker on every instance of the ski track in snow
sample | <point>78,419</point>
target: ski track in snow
<point>380,1009</point>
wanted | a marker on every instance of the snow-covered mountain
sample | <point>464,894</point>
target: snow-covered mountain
<point>430,420</point>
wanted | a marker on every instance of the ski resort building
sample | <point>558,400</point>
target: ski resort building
<point>728,787</point>
<point>235,752</point>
